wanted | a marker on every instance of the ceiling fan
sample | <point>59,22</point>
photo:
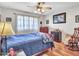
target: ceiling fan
<point>41,7</point>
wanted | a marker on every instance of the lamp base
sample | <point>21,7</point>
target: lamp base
<point>3,44</point>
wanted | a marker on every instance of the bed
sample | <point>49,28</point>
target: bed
<point>30,43</point>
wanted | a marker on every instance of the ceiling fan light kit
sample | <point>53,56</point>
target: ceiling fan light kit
<point>41,8</point>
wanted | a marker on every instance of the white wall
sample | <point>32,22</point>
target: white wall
<point>70,24</point>
<point>70,20</point>
<point>5,12</point>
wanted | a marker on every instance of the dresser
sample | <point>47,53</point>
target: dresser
<point>57,36</point>
<point>44,29</point>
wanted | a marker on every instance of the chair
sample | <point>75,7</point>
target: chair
<point>74,40</point>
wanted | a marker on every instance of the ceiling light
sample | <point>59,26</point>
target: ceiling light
<point>42,10</point>
<point>36,12</point>
<point>38,9</point>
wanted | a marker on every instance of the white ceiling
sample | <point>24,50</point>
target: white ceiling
<point>23,6</point>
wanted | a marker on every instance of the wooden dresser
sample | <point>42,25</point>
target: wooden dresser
<point>44,29</point>
<point>57,35</point>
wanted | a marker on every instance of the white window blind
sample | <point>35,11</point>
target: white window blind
<point>19,23</point>
<point>36,23</point>
<point>31,23</point>
<point>27,23</point>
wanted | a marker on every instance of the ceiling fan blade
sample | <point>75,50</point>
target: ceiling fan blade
<point>48,8</point>
<point>30,6</point>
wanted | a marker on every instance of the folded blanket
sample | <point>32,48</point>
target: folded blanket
<point>47,38</point>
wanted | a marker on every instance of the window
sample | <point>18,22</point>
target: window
<point>35,23</point>
<point>26,23</point>
<point>31,22</point>
<point>19,23</point>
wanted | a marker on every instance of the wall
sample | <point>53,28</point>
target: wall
<point>5,12</point>
<point>70,24</point>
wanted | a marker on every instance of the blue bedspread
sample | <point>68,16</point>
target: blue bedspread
<point>30,43</point>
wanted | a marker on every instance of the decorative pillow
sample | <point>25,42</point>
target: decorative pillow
<point>45,39</point>
<point>49,35</point>
<point>39,34</point>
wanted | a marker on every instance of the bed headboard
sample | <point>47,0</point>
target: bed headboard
<point>44,29</point>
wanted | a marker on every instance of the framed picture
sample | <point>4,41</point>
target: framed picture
<point>77,18</point>
<point>47,21</point>
<point>59,18</point>
<point>8,19</point>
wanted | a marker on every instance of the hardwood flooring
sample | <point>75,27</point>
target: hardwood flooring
<point>60,50</point>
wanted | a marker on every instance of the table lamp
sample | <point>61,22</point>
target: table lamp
<point>5,30</point>
<point>1,27</point>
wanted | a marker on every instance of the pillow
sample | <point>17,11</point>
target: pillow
<point>49,37</point>
<point>35,33</point>
<point>45,38</point>
<point>38,34</point>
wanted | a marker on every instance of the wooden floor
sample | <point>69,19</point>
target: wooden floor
<point>60,50</point>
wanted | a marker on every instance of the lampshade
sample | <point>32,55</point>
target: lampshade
<point>1,27</point>
<point>6,28</point>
